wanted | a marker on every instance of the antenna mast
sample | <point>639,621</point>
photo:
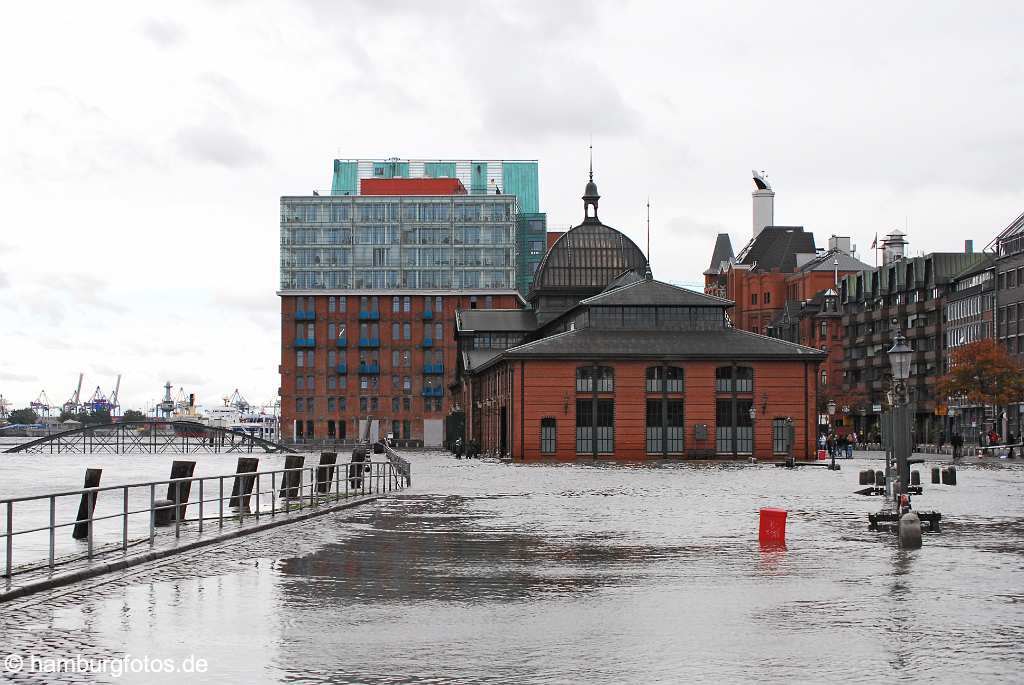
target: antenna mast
<point>648,230</point>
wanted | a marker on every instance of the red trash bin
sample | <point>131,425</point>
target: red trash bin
<point>772,530</point>
<point>822,455</point>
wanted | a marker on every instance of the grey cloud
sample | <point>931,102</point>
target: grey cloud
<point>5,281</point>
<point>220,145</point>
<point>163,32</point>
<point>17,377</point>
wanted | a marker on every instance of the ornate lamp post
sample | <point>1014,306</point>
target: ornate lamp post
<point>830,408</point>
<point>900,355</point>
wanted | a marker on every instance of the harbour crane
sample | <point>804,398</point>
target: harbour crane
<point>237,401</point>
<point>72,405</point>
<point>115,405</point>
<point>167,405</point>
<point>41,405</point>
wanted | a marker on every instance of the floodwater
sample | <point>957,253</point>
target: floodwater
<point>496,573</point>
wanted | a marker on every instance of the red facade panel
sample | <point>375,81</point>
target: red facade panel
<point>411,186</point>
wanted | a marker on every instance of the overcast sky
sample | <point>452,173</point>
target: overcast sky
<point>145,146</point>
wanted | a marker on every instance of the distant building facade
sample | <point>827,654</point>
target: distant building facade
<point>908,294</point>
<point>519,178</point>
<point>1009,253</point>
<point>370,285</point>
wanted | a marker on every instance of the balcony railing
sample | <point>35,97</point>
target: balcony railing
<point>342,369</point>
<point>428,342</point>
<point>433,368</point>
<point>427,314</point>
<point>342,342</point>
<point>369,316</point>
<point>301,315</point>
<point>433,392</point>
<point>305,342</point>
<point>372,369</point>
<point>369,342</point>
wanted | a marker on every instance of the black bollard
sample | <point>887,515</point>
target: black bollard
<point>325,472</point>
<point>936,475</point>
<point>180,469</point>
<point>867,477</point>
<point>879,478</point>
<point>241,491</point>
<point>950,476</point>
<point>915,477</point>
<point>88,505</point>
<point>291,480</point>
<point>163,512</point>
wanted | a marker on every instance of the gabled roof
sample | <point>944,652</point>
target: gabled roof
<point>473,359</point>
<point>625,278</point>
<point>652,293</point>
<point>594,343</point>
<point>825,262</point>
<point>776,247</point>
<point>495,320</point>
<point>722,254</point>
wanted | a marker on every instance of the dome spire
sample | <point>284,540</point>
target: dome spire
<point>590,195</point>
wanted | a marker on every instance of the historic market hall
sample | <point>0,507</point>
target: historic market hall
<point>610,363</point>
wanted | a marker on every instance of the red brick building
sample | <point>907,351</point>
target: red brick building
<point>618,365</point>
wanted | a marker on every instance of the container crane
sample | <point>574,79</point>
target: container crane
<point>41,405</point>
<point>115,405</point>
<point>72,405</point>
<point>237,401</point>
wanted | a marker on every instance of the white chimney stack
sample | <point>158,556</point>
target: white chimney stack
<point>764,202</point>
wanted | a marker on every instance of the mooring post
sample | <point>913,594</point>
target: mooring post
<point>83,523</point>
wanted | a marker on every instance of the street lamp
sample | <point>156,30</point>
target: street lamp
<point>831,409</point>
<point>900,355</point>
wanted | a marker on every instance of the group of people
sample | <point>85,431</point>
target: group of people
<point>839,446</point>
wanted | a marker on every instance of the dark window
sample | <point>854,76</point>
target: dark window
<point>753,298</point>
<point>780,436</point>
<point>547,435</point>
<point>605,379</point>
<point>585,379</point>
<point>605,426</point>
<point>584,426</point>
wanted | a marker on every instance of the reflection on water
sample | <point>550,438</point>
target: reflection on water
<point>490,573</point>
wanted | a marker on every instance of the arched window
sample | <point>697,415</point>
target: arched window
<point>595,379</point>
<point>664,379</point>
<point>605,379</point>
<point>585,379</point>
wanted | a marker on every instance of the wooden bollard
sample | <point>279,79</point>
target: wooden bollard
<point>915,477</point>
<point>291,481</point>
<point>879,478</point>
<point>949,475</point>
<point>87,506</point>
<point>867,477</point>
<point>181,490</point>
<point>241,491</point>
<point>936,475</point>
<point>325,472</point>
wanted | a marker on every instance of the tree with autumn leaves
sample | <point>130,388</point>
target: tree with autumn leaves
<point>983,372</point>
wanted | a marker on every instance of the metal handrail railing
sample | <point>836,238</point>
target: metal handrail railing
<point>299,488</point>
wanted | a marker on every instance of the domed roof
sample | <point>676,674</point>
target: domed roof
<point>588,257</point>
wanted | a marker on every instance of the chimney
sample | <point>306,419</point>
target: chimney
<point>969,246</point>
<point>764,202</point>
<point>840,243</point>
<point>894,246</point>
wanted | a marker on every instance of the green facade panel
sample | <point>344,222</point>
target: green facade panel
<point>520,179</point>
<point>391,169</point>
<point>478,179</point>
<point>346,178</point>
<point>439,169</point>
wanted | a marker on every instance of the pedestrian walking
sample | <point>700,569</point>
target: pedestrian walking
<point>957,441</point>
<point>942,439</point>
<point>1011,442</point>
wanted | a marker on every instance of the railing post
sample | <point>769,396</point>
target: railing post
<point>312,486</point>
<point>10,537</point>
<point>92,513</point>
<point>201,505</point>
<point>273,494</point>
<point>257,496</point>
<point>152,513</point>
<point>53,526</point>
<point>177,510</point>
<point>124,527</point>
<point>220,502</point>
